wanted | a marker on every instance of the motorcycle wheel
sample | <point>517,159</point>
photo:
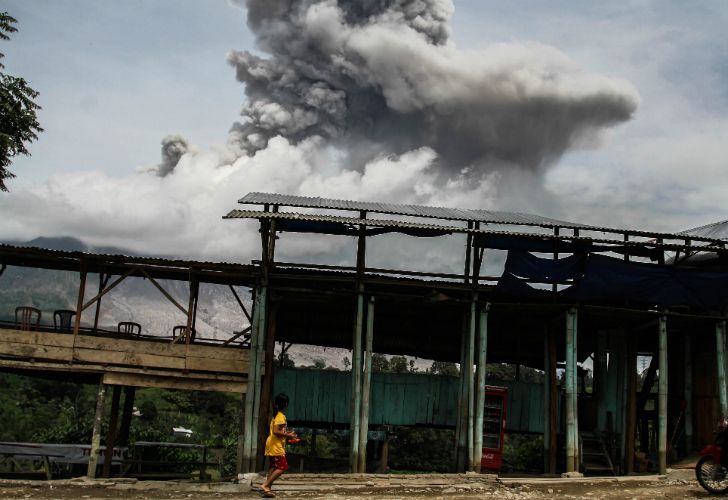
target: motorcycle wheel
<point>711,475</point>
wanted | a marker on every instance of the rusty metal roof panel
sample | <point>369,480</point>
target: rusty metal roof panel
<point>487,216</point>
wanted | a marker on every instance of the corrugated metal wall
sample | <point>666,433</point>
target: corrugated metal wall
<point>398,399</point>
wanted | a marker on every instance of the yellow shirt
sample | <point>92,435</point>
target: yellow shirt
<point>275,446</point>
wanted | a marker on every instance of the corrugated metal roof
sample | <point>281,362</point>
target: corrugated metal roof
<point>475,215</point>
<point>487,216</point>
<point>76,255</point>
<point>437,228</point>
<point>716,230</point>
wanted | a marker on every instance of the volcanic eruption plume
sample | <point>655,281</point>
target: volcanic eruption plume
<point>381,77</point>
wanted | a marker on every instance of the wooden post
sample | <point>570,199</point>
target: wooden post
<point>480,389</point>
<point>689,443</point>
<point>553,390</point>
<point>267,383</point>
<point>572,425</point>
<point>600,380</point>
<point>546,404</point>
<point>662,397</point>
<point>631,406</point>
<point>93,457</point>
<point>366,387</point>
<point>720,338</point>
<point>111,432</point>
<point>461,438</point>
<point>384,457</point>
<point>126,414</point>
<point>79,304</point>
<point>241,455</point>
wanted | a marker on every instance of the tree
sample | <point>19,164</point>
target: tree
<point>18,121</point>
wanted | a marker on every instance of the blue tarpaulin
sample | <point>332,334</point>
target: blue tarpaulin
<point>597,278</point>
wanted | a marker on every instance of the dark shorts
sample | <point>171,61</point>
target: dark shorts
<point>278,462</point>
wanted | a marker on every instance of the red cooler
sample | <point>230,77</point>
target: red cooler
<point>494,426</point>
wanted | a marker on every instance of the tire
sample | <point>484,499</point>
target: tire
<point>711,476</point>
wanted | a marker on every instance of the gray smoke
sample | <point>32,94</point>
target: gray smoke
<point>381,77</point>
<point>173,147</point>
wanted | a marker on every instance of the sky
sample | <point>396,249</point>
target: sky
<point>116,78</point>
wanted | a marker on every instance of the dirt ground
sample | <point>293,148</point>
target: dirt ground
<point>678,484</point>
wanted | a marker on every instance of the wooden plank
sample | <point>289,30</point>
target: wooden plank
<point>97,368</point>
<point>162,382</point>
<point>130,346</point>
<point>21,350</point>
<point>216,352</point>
<point>128,358</point>
<point>39,338</point>
<point>217,365</point>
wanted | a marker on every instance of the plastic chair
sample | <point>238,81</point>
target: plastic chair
<point>129,328</point>
<point>62,320</point>
<point>25,315</point>
<point>181,331</point>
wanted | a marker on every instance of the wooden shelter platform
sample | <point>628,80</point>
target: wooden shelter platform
<point>127,361</point>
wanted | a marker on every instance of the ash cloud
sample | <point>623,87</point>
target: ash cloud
<point>381,77</point>
<point>173,147</point>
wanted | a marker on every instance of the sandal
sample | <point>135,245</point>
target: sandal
<point>267,494</point>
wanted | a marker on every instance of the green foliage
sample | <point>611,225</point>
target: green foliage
<point>422,449</point>
<point>18,121</point>
<point>523,452</point>
<point>395,364</point>
<point>53,411</point>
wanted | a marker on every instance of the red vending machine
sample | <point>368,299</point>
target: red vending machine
<point>494,426</point>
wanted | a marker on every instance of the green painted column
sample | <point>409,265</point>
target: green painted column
<point>480,389</point>
<point>366,387</point>
<point>662,397</point>
<point>572,425</point>
<point>260,356</point>
<point>248,460</point>
<point>471,381</point>
<point>356,365</point>
<point>720,337</point>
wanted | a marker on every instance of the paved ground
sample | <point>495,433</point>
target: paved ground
<point>677,484</point>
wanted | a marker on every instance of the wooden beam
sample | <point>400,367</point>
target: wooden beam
<point>166,382</point>
<point>79,302</point>
<point>106,290</point>
<point>267,381</point>
<point>164,292</point>
<point>103,281</point>
<point>240,303</point>
<point>126,414</point>
<point>572,425</point>
<point>366,387</point>
<point>689,440</point>
<point>553,421</point>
